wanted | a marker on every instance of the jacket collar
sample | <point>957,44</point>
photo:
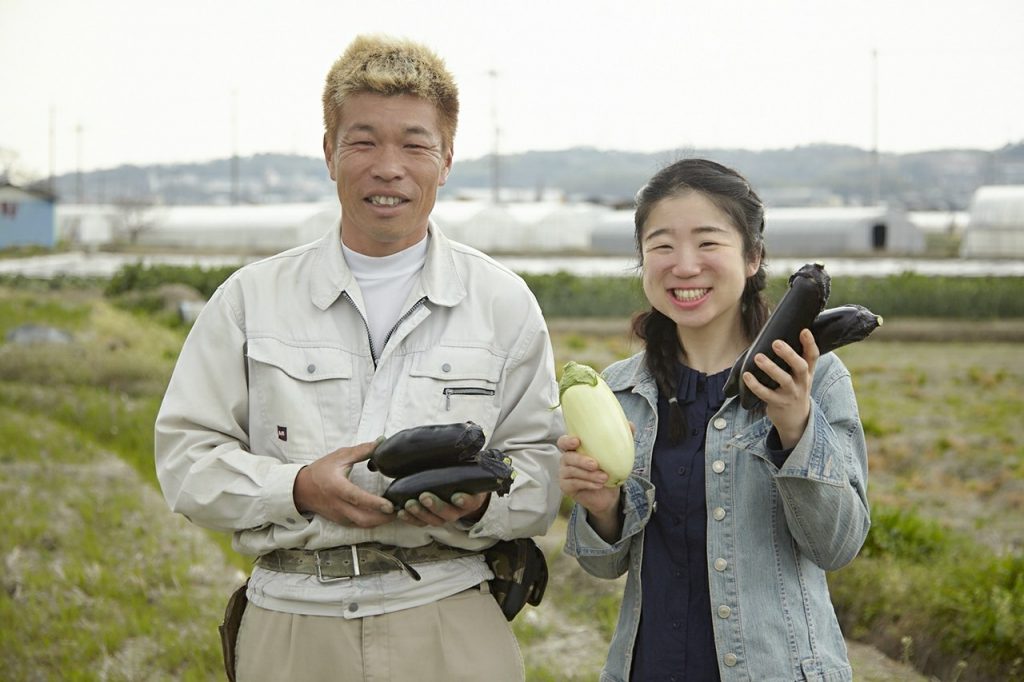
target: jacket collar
<point>631,374</point>
<point>440,280</point>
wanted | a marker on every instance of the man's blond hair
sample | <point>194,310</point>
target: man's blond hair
<point>391,66</point>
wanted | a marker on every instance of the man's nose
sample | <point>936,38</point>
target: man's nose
<point>387,164</point>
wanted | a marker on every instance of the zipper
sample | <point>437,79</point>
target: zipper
<point>402,319</point>
<point>387,338</point>
<point>467,390</point>
<point>366,326</point>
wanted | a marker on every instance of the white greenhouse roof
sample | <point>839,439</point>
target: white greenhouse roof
<point>997,207</point>
<point>824,218</point>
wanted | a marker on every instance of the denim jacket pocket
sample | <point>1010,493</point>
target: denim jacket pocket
<point>286,381</point>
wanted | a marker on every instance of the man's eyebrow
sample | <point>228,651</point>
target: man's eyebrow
<point>417,130</point>
<point>359,128</point>
<point>370,128</point>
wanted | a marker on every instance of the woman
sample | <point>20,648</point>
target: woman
<point>730,518</point>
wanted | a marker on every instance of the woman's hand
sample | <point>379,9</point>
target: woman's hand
<point>788,406</point>
<point>582,479</point>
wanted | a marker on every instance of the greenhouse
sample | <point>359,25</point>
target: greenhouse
<point>827,231</point>
<point>995,227</point>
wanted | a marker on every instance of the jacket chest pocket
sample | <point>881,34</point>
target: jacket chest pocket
<point>453,384</point>
<point>299,398</point>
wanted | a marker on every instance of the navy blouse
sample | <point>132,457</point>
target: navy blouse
<point>676,640</point>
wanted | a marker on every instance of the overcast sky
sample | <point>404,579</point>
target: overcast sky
<point>142,81</point>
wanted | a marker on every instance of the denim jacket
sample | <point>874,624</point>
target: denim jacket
<point>772,532</point>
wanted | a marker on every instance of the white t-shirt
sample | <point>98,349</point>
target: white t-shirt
<point>385,282</point>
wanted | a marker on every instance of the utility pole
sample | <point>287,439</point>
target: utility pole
<point>234,147</point>
<point>876,166</point>
<point>52,182</point>
<point>495,158</point>
<point>79,189</point>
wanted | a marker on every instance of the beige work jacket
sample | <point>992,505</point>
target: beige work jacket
<point>278,371</point>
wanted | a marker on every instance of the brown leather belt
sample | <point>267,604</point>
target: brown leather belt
<point>348,561</point>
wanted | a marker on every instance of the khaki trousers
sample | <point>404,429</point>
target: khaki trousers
<point>461,637</point>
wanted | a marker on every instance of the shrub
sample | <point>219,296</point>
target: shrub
<point>918,591</point>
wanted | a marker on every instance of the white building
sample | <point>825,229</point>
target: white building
<point>995,228</point>
<point>841,231</point>
<point>825,231</point>
<point>266,228</point>
<point>521,227</point>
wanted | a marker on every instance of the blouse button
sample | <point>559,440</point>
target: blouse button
<point>720,423</point>
<point>718,466</point>
<point>311,369</point>
<point>720,565</point>
<point>718,513</point>
<point>730,660</point>
<point>446,367</point>
<point>724,611</point>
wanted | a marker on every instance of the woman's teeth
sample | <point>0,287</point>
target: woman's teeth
<point>689,294</point>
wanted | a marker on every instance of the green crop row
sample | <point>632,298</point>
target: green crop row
<point>565,295</point>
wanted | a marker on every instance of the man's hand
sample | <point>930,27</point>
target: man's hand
<point>324,488</point>
<point>431,510</point>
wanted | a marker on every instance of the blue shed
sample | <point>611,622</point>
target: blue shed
<point>27,217</point>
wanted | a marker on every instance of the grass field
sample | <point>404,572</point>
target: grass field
<point>100,581</point>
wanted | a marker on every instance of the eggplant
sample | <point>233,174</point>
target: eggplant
<point>420,448</point>
<point>837,327</point>
<point>809,288</point>
<point>490,472</point>
<point>833,328</point>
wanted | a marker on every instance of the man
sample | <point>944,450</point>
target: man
<point>299,363</point>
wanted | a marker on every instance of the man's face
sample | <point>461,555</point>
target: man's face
<point>387,159</point>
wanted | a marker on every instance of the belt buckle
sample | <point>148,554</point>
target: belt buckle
<point>355,567</point>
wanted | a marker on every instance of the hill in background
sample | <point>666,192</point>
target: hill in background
<point>802,176</point>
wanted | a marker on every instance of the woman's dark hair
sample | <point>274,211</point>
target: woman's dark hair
<point>732,194</point>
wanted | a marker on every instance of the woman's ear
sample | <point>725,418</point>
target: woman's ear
<point>754,264</point>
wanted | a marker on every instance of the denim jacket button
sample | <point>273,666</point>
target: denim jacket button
<point>720,423</point>
<point>724,611</point>
<point>718,466</point>
<point>718,513</point>
<point>720,565</point>
<point>730,660</point>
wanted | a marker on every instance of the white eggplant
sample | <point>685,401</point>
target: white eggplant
<point>593,414</point>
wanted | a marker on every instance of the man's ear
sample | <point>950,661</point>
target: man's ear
<point>328,156</point>
<point>448,157</point>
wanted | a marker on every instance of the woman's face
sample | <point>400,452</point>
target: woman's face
<point>694,269</point>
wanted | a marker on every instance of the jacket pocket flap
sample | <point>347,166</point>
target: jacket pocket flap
<point>304,363</point>
<point>451,363</point>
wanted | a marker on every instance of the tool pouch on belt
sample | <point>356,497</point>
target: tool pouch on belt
<point>229,628</point>
<point>520,574</point>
